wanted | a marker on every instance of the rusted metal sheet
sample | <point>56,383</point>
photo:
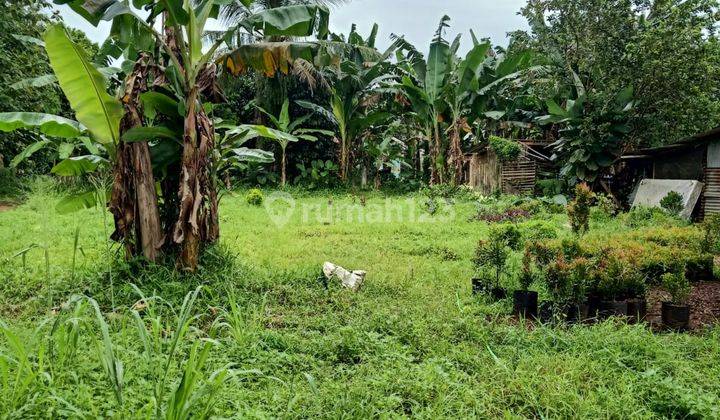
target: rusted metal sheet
<point>711,202</point>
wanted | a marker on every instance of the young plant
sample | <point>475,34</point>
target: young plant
<point>528,273</point>
<point>579,209</point>
<point>254,197</point>
<point>673,203</point>
<point>711,237</point>
<point>677,284</point>
<point>493,254</point>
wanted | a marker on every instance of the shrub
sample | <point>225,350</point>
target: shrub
<point>528,274</point>
<point>493,254</point>
<point>579,209</point>
<point>617,278</point>
<point>254,197</point>
<point>10,185</point>
<point>509,234</point>
<point>711,238</point>
<point>510,215</point>
<point>543,252</point>
<point>677,285</point>
<point>506,150</point>
<point>558,281</point>
<point>538,230</point>
<point>604,209</point>
<point>673,203</point>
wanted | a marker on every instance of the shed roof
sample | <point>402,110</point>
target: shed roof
<point>684,144</point>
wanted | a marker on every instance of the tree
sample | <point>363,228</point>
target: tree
<point>666,49</point>
<point>355,88</point>
<point>164,100</point>
<point>285,132</point>
<point>22,56</point>
<point>423,85</point>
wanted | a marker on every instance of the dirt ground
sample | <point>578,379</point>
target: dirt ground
<point>704,304</point>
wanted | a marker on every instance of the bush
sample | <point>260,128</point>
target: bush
<point>493,254</point>
<point>509,234</point>
<point>677,285</point>
<point>538,230</point>
<point>254,197</point>
<point>10,185</point>
<point>528,273</point>
<point>673,203</point>
<point>711,238</point>
<point>604,208</point>
<point>506,150</point>
<point>648,216</point>
<point>579,209</point>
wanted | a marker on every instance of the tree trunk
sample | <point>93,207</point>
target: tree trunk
<point>456,154</point>
<point>436,176</point>
<point>134,202</point>
<point>344,158</point>
<point>197,221</point>
<point>283,170</point>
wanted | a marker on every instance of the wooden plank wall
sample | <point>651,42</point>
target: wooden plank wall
<point>519,177</point>
<point>484,172</point>
<point>487,174</point>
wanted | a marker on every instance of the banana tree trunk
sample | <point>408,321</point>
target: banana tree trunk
<point>283,169</point>
<point>436,173</point>
<point>344,158</point>
<point>197,221</point>
<point>134,202</point>
<point>456,154</point>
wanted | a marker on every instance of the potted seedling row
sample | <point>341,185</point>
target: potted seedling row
<point>676,312</point>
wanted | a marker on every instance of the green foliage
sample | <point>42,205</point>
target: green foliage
<point>254,197</point>
<point>579,209</point>
<point>677,284</point>
<point>10,185</point>
<point>20,59</point>
<point>528,272</point>
<point>649,216</point>
<point>711,237</point>
<point>673,203</point>
<point>506,150</point>
<point>658,47</point>
<point>319,174</point>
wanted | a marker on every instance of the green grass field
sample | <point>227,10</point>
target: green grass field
<point>413,342</point>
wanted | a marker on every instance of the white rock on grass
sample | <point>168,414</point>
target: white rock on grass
<point>349,279</point>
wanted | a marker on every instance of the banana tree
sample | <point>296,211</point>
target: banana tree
<point>284,133</point>
<point>423,84</point>
<point>174,66</point>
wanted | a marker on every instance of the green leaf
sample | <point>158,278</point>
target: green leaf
<point>84,87</point>
<point>177,14</point>
<point>65,150</point>
<point>555,109</point>
<point>437,67</point>
<point>96,10</point>
<point>76,202</point>
<point>52,125</point>
<point>154,102</point>
<point>76,166</point>
<point>149,133</point>
<point>28,151</point>
<point>319,110</point>
<point>297,20</point>
<point>35,82</point>
<point>243,154</point>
